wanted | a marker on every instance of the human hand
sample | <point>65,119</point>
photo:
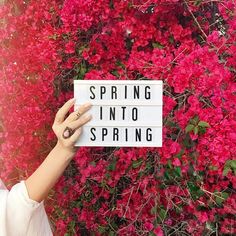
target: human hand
<point>72,124</point>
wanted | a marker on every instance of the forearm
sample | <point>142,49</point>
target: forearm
<point>44,178</point>
<point>47,174</point>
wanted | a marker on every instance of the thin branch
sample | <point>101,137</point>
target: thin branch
<point>195,20</point>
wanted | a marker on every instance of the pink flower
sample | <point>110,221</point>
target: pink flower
<point>70,47</point>
<point>148,226</point>
<point>174,148</point>
<point>176,162</point>
<point>158,231</point>
<point>202,216</point>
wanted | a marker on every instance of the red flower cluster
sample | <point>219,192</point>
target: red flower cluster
<point>186,187</point>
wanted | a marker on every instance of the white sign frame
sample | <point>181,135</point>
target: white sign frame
<point>122,100</point>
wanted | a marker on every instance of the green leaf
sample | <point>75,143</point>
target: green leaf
<point>107,175</point>
<point>119,63</point>
<point>195,191</point>
<point>225,195</point>
<point>220,197</point>
<point>188,142</point>
<point>93,163</point>
<point>203,124</point>
<point>65,189</point>
<point>210,226</point>
<point>180,154</point>
<point>226,170</point>
<point>211,167</point>
<point>189,128</point>
<point>192,187</point>
<point>169,164</point>
<point>112,165</point>
<point>112,233</point>
<point>80,70</point>
<point>194,120</point>
<point>72,224</point>
<point>157,45</point>
<point>171,39</point>
<point>195,130</point>
<point>154,210</point>
<point>202,130</point>
<point>103,183</point>
<point>54,36</point>
<point>137,163</point>
<point>115,73</point>
<point>162,214</point>
<point>172,124</point>
<point>229,166</point>
<point>101,229</point>
<point>233,164</point>
<point>151,234</point>
<point>197,2</point>
<point>167,175</point>
<point>112,190</point>
<point>81,49</point>
<point>178,171</point>
<point>140,174</point>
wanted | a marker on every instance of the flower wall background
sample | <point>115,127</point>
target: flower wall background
<point>187,187</point>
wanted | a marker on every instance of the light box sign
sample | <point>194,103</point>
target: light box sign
<point>125,113</point>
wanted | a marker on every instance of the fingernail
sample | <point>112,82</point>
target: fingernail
<point>88,104</point>
<point>72,99</point>
<point>89,116</point>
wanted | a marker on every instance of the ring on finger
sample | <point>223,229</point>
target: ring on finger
<point>67,132</point>
<point>78,114</point>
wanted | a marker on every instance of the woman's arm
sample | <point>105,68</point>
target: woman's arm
<point>47,174</point>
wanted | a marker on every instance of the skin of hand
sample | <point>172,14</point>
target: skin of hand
<point>46,175</point>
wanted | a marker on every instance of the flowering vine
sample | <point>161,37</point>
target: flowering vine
<point>186,187</point>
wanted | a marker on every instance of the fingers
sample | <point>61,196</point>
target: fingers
<point>81,121</point>
<point>60,116</point>
<point>76,135</point>
<point>78,113</point>
<point>73,122</point>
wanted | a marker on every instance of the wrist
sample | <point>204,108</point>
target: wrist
<point>66,153</point>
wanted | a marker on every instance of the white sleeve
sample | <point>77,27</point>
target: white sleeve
<point>24,216</point>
